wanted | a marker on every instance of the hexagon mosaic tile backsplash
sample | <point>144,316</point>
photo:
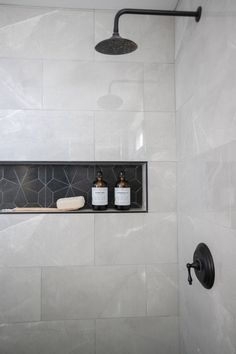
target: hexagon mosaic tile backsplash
<point>41,185</point>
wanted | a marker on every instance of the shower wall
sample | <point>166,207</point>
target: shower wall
<point>206,131</point>
<point>80,283</point>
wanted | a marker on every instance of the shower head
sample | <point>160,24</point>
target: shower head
<point>116,45</point>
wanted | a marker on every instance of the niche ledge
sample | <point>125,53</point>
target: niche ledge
<point>40,184</point>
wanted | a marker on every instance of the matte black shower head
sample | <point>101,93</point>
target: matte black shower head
<point>116,45</point>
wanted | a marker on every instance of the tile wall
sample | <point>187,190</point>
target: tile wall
<point>88,283</point>
<point>206,132</point>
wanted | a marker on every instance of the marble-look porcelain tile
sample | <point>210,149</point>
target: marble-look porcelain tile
<point>205,188</point>
<point>50,337</point>
<point>93,85</point>
<point>137,336</point>
<point>206,121</point>
<point>9,15</point>
<point>160,136</point>
<point>20,294</point>
<point>47,240</point>
<point>93,292</point>
<point>162,186</point>
<point>162,292</point>
<point>129,136</point>
<point>154,36</point>
<point>232,188</point>
<point>159,87</point>
<point>203,74</point>
<point>120,136</point>
<point>135,239</point>
<point>47,33</point>
<point>216,306</point>
<point>20,84</point>
<point>70,37</point>
<point>66,135</point>
<point>55,149</point>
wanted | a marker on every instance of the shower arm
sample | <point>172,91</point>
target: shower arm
<point>196,14</point>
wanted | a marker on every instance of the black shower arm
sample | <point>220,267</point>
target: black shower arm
<point>196,14</point>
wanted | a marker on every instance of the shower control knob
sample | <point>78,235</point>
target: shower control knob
<point>203,266</point>
<point>194,265</point>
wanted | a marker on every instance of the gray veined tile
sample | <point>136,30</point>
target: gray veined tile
<point>77,337</point>
<point>137,336</point>
<point>162,186</point>
<point>159,87</point>
<point>85,85</point>
<point>20,297</point>
<point>47,240</point>
<point>135,239</point>
<point>29,33</point>
<point>162,290</point>
<point>20,84</point>
<point>71,132</point>
<point>93,292</point>
<point>129,136</point>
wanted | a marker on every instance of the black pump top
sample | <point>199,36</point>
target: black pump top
<point>122,174</point>
<point>99,174</point>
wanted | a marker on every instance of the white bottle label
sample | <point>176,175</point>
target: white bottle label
<point>100,196</point>
<point>122,196</point>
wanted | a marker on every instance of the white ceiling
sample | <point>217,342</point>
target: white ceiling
<point>97,4</point>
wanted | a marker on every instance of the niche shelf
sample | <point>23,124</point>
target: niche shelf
<point>40,184</point>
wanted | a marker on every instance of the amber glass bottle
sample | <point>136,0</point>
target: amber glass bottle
<point>122,193</point>
<point>99,193</point>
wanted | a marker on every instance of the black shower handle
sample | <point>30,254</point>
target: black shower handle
<point>194,265</point>
<point>203,266</point>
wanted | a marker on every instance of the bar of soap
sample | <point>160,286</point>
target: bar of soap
<point>72,203</point>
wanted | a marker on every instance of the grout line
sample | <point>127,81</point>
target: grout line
<point>84,60</point>
<point>41,292</point>
<point>91,319</point>
<point>146,289</point>
<point>94,240</point>
<point>82,266</point>
<point>95,336</point>
<point>89,111</point>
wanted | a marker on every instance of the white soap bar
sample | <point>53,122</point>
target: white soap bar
<point>72,203</point>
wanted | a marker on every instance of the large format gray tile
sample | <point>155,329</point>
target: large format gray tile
<point>20,84</point>
<point>47,240</point>
<point>120,136</point>
<point>160,136</point>
<point>93,292</point>
<point>129,136</point>
<point>55,337</point>
<point>162,186</point>
<point>66,135</point>
<point>159,87</point>
<point>162,290</point>
<point>205,187</point>
<point>86,85</point>
<point>135,239</point>
<point>137,336</point>
<point>28,32</point>
<point>20,296</point>
<point>218,305</point>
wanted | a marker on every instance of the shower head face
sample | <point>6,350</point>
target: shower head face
<point>116,45</point>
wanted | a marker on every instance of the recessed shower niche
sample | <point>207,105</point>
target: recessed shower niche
<point>41,184</point>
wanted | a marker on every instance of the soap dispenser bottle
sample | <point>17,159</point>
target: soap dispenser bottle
<point>122,193</point>
<point>99,193</point>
